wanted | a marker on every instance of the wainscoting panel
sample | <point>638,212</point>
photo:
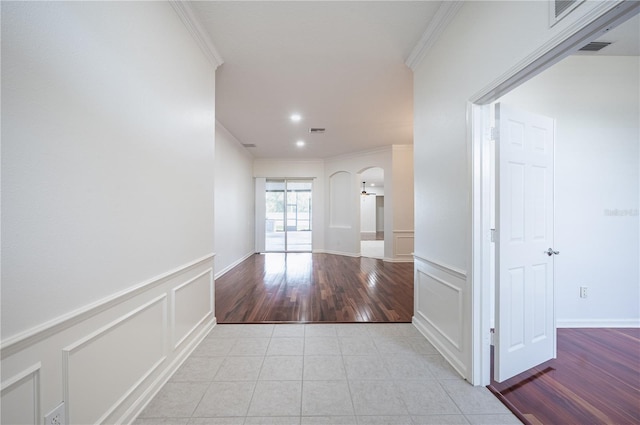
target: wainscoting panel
<point>102,369</point>
<point>441,306</point>
<point>107,360</point>
<point>21,397</point>
<point>193,304</point>
<point>403,245</point>
<point>439,313</point>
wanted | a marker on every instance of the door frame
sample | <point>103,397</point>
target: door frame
<point>591,25</point>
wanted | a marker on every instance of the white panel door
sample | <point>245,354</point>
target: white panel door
<point>525,314</point>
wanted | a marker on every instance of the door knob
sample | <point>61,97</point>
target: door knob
<point>551,252</point>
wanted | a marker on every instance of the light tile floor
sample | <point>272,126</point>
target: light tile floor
<point>320,374</point>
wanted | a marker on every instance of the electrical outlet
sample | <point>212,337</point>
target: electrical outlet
<point>56,416</point>
<point>583,292</point>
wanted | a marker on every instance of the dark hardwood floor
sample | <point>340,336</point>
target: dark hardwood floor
<point>304,287</point>
<point>595,379</point>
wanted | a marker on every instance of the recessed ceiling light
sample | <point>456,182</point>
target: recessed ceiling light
<point>373,184</point>
<point>295,117</point>
<point>300,143</point>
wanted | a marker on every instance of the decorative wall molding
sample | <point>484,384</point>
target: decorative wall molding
<point>154,388</point>
<point>38,333</point>
<point>592,22</point>
<point>444,15</point>
<point>439,296</point>
<point>208,313</point>
<point>110,330</point>
<point>402,249</point>
<point>32,373</point>
<point>193,25</point>
<point>598,323</point>
<point>457,342</point>
<point>232,265</point>
<point>418,322</point>
<point>133,336</point>
<point>459,273</point>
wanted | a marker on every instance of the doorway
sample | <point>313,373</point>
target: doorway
<point>288,215</point>
<point>481,248</point>
<point>372,213</point>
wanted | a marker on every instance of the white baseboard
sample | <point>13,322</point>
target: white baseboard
<point>141,403</point>
<point>232,265</point>
<point>399,260</point>
<point>346,254</point>
<point>442,349</point>
<point>598,323</point>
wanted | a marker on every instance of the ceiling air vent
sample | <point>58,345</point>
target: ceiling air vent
<point>249,145</point>
<point>562,6</point>
<point>594,46</point>
<point>316,130</point>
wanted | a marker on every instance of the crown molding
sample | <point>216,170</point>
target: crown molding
<point>193,25</point>
<point>444,15</point>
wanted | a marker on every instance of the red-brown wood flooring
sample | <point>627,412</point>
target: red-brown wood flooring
<point>595,379</point>
<point>305,287</point>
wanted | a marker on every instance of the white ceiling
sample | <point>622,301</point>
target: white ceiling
<point>341,65</point>
<point>624,39</point>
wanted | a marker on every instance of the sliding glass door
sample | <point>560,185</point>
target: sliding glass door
<point>288,215</point>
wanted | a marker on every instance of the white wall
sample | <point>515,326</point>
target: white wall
<point>397,163</point>
<point>595,101</point>
<point>234,202</point>
<point>403,207</point>
<point>345,239</point>
<point>380,213</point>
<point>304,169</point>
<point>484,41</point>
<point>368,214</point>
<point>107,205</point>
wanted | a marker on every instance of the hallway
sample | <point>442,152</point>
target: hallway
<point>320,374</point>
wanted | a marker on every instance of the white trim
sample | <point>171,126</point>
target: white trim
<point>444,15</point>
<point>419,323</point>
<point>195,28</point>
<point>152,390</point>
<point>398,260</point>
<point>456,345</point>
<point>209,313</point>
<point>31,371</point>
<point>459,273</point>
<point>478,279</point>
<point>601,17</point>
<point>38,333</point>
<point>67,352</point>
<point>324,251</point>
<point>598,323</point>
<point>232,265</point>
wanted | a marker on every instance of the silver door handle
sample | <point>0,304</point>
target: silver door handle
<point>551,252</point>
